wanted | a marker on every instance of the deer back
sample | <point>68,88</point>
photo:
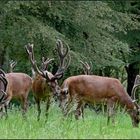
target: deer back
<point>18,83</point>
<point>96,88</point>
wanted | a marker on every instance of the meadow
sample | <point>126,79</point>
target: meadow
<point>93,126</point>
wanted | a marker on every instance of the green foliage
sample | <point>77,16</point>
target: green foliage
<point>57,127</point>
<point>105,33</point>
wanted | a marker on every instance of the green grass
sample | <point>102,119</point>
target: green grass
<point>93,126</point>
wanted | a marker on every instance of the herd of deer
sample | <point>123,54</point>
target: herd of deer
<point>80,89</point>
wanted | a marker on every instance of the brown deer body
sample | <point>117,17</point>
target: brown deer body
<point>41,92</point>
<point>18,87</point>
<point>45,84</point>
<point>92,89</point>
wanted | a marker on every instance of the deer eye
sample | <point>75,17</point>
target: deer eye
<point>65,92</point>
<point>49,83</point>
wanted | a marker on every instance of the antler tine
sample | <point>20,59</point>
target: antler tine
<point>12,65</point>
<point>46,62</point>
<point>137,106</point>
<point>29,49</point>
<point>60,49</point>
<point>4,92</point>
<point>86,67</point>
<point>11,61</point>
<point>62,57</point>
<point>68,63</point>
<point>2,96</point>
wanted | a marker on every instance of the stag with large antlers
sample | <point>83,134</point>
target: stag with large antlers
<point>45,82</point>
<point>17,86</point>
<point>92,89</point>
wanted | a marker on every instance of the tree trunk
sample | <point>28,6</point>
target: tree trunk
<point>132,71</point>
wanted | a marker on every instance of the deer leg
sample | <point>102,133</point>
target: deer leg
<point>6,114</point>
<point>38,108</point>
<point>24,105</point>
<point>47,107</point>
<point>2,110</point>
<point>110,111</point>
<point>66,109</point>
<point>79,110</point>
<point>4,104</point>
<point>82,110</point>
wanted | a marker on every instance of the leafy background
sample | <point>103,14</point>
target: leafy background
<point>106,34</point>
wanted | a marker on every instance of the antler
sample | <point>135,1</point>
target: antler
<point>136,84</point>
<point>12,65</point>
<point>4,80</point>
<point>2,72</point>
<point>44,72</point>
<point>30,52</point>
<point>64,62</point>
<point>45,63</point>
<point>86,67</point>
<point>137,106</point>
<point>2,95</point>
<point>62,55</point>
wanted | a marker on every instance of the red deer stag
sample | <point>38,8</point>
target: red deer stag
<point>45,82</point>
<point>19,85</point>
<point>93,89</point>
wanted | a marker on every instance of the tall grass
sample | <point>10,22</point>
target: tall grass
<point>57,127</point>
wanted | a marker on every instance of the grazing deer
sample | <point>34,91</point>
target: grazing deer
<point>136,84</point>
<point>44,81</point>
<point>92,89</point>
<point>19,85</point>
